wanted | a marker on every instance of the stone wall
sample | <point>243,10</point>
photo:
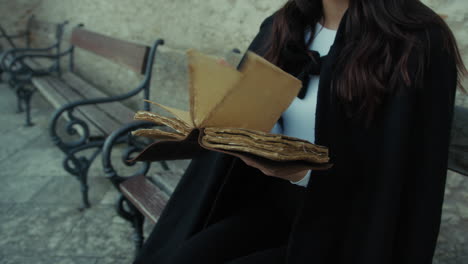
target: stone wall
<point>212,26</point>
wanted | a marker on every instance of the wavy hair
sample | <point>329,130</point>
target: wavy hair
<point>380,37</point>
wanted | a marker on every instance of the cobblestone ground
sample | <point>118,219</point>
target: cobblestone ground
<point>39,222</point>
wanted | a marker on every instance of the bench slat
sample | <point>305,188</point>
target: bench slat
<point>97,117</point>
<point>117,111</point>
<point>120,51</point>
<point>146,196</point>
<point>53,87</point>
<point>57,100</point>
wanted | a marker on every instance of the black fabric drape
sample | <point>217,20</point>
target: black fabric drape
<point>380,203</point>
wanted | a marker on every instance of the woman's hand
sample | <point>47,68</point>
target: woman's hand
<point>294,177</point>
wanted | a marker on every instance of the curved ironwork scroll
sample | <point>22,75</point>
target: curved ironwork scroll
<point>78,166</point>
<point>133,146</point>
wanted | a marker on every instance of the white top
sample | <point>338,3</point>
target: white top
<point>299,118</point>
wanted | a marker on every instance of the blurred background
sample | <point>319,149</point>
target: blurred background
<point>39,222</point>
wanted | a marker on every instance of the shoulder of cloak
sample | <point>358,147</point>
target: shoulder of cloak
<point>258,44</point>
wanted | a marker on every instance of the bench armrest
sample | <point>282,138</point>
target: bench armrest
<point>14,52</point>
<point>68,110</point>
<point>17,65</point>
<point>134,145</point>
<point>18,54</point>
<point>41,55</point>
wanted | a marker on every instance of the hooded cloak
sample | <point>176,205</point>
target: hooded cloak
<point>380,203</point>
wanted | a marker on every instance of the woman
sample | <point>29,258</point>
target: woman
<point>383,100</point>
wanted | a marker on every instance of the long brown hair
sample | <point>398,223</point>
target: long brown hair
<point>380,36</point>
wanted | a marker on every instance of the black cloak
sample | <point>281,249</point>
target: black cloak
<point>380,203</point>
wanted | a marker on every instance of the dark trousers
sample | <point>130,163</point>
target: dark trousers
<point>256,234</point>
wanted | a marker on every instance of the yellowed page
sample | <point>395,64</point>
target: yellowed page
<point>257,101</point>
<point>178,113</point>
<point>209,83</point>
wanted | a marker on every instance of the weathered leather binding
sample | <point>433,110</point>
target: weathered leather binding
<point>232,112</point>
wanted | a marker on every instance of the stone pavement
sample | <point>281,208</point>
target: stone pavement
<point>39,222</point>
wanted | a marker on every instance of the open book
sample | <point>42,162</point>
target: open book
<point>232,112</point>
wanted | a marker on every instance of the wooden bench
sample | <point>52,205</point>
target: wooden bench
<point>85,116</point>
<point>20,71</point>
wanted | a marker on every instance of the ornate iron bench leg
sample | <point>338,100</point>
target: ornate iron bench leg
<point>128,212</point>
<point>24,95</point>
<point>83,178</point>
<point>138,223</point>
<point>79,167</point>
<point>28,93</point>
<point>19,101</point>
